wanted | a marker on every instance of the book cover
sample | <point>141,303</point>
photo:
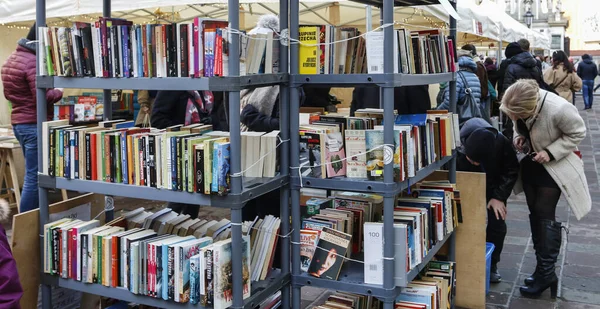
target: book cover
<point>335,155</point>
<point>186,253</point>
<point>308,243</point>
<point>195,279</point>
<point>309,50</point>
<point>312,146</point>
<point>374,142</point>
<point>329,256</point>
<point>356,148</point>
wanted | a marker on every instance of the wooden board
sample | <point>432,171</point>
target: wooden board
<point>470,239</point>
<point>26,243</point>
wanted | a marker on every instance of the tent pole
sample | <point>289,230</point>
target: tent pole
<point>369,15</point>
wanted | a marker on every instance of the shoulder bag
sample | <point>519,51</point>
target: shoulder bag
<point>467,107</point>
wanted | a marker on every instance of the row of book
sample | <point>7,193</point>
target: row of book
<point>113,47</point>
<point>422,220</point>
<point>162,255</point>
<point>326,49</point>
<point>434,289</point>
<point>336,145</point>
<point>180,158</point>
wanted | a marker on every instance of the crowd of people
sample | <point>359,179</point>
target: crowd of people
<point>536,153</point>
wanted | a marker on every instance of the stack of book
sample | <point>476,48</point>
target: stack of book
<point>341,146</point>
<point>162,255</point>
<point>326,49</point>
<point>434,289</point>
<point>113,47</point>
<point>180,158</point>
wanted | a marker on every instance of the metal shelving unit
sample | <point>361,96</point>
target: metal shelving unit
<point>351,279</point>
<point>241,191</point>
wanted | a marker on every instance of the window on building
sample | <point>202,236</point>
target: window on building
<point>556,41</point>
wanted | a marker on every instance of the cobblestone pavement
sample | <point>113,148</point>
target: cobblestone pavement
<point>578,265</point>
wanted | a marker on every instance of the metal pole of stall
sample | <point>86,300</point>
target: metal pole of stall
<point>40,21</point>
<point>108,200</point>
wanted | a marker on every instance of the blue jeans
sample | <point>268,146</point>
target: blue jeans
<point>26,134</point>
<point>588,93</point>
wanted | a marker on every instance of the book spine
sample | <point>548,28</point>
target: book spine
<point>130,168</point>
<point>66,149</point>
<point>88,157</point>
<point>171,273</point>
<point>214,185</point>
<point>112,158</point>
<point>55,251</point>
<point>151,160</point>
<point>193,286</point>
<point>117,158</point>
<point>174,163</point>
<point>99,259</point>
<point>178,159</point>
<point>64,253</point>
<point>210,295</point>
<point>114,252</point>
<point>82,275</point>
<point>75,168</point>
<point>124,157</point>
<point>70,250</point>
<point>199,170</point>
<point>141,159</point>
<point>51,152</point>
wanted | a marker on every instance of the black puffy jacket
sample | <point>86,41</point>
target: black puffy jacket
<point>407,100</point>
<point>169,110</point>
<point>587,69</point>
<point>502,167</point>
<point>521,66</point>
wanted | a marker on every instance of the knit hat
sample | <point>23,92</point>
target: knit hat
<point>512,50</point>
<point>31,34</point>
<point>471,48</point>
<point>479,146</point>
<point>266,23</point>
<point>586,56</point>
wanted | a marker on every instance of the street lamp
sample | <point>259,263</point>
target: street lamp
<point>528,18</point>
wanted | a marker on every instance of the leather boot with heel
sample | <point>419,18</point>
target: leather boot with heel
<point>550,238</point>
<point>535,238</point>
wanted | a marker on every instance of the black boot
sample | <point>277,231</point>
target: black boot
<point>494,274</point>
<point>535,237</point>
<point>548,250</point>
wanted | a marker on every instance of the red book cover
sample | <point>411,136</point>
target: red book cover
<point>93,156</point>
<point>151,269</point>
<point>114,263</point>
<point>197,54</point>
<point>70,251</point>
<point>219,53</point>
<point>144,39</point>
<point>443,137</point>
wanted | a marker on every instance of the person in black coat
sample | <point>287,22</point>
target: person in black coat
<point>485,150</point>
<point>492,71</point>
<point>170,109</point>
<point>521,66</point>
<point>407,100</point>
<point>587,71</point>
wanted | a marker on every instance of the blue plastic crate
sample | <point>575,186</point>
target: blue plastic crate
<point>489,248</point>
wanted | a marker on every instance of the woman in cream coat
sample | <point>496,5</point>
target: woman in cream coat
<point>547,131</point>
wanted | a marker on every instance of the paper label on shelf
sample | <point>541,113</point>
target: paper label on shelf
<point>82,212</point>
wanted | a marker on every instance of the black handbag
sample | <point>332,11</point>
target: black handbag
<point>467,107</point>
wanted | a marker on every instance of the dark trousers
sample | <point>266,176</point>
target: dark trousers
<point>495,233</point>
<point>185,209</point>
<point>26,134</point>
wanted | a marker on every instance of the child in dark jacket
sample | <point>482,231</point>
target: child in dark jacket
<point>485,150</point>
<point>10,286</point>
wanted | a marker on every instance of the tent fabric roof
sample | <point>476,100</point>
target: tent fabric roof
<point>494,26</point>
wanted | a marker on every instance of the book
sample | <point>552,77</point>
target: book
<point>308,243</point>
<point>329,256</point>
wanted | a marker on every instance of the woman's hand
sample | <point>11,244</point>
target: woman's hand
<point>519,141</point>
<point>145,109</point>
<point>541,157</point>
<point>499,208</point>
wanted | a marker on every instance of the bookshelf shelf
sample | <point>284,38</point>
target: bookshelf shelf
<point>253,187</point>
<point>260,291</point>
<point>229,83</point>
<point>351,278</point>
<point>352,80</point>
<point>349,184</point>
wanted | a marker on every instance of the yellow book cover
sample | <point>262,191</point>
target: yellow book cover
<point>309,51</point>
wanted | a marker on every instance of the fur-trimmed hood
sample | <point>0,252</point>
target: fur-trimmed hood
<point>4,210</point>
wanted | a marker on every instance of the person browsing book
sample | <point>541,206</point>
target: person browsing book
<point>485,150</point>
<point>547,129</point>
<point>18,79</point>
